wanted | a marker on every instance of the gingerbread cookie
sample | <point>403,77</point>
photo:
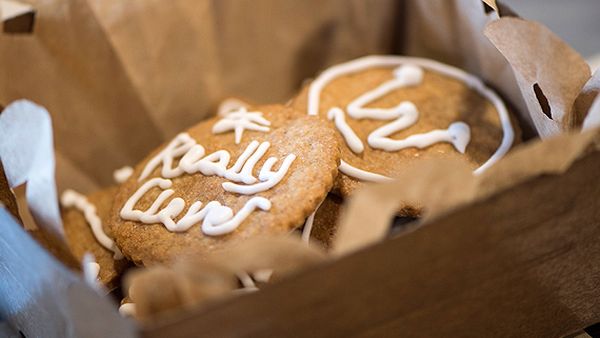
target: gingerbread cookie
<point>252,172</point>
<point>390,111</point>
<point>324,223</point>
<point>56,248</point>
<point>85,222</point>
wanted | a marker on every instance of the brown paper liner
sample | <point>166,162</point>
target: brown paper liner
<point>449,184</point>
<point>192,282</point>
<point>55,246</point>
<point>551,81</point>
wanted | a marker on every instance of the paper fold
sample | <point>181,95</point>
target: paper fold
<point>192,282</point>
<point>27,154</point>
<point>588,102</point>
<point>539,58</point>
<point>449,184</point>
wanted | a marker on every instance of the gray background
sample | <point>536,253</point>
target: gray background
<point>575,21</point>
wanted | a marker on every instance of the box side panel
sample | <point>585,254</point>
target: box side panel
<point>524,262</point>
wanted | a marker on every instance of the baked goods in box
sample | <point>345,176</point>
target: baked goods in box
<point>390,111</point>
<point>254,172</point>
<point>262,171</point>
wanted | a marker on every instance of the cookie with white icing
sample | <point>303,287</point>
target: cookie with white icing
<point>389,111</point>
<point>253,172</point>
<point>85,222</point>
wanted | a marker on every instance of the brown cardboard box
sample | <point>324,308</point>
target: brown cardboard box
<point>511,252</point>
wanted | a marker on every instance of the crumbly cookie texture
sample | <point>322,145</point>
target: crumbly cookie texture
<point>326,219</point>
<point>306,183</point>
<point>81,239</point>
<point>440,101</point>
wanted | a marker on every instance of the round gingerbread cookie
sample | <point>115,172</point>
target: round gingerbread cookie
<point>390,111</point>
<point>85,221</point>
<point>255,171</point>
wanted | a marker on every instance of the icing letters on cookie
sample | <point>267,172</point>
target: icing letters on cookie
<point>408,72</point>
<point>240,120</point>
<point>179,146</point>
<point>217,219</point>
<point>194,161</point>
<point>269,178</point>
<point>352,140</point>
<point>73,199</point>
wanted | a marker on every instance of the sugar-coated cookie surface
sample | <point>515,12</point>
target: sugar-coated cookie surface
<point>83,236</point>
<point>255,171</point>
<point>389,111</point>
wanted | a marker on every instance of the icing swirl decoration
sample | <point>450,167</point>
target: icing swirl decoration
<point>407,72</point>
<point>240,120</point>
<point>73,199</point>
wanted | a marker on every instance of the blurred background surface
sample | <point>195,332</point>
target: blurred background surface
<point>575,21</point>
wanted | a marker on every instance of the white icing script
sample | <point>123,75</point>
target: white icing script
<point>70,199</point>
<point>240,120</point>
<point>408,73</point>
<point>195,161</point>
<point>216,219</point>
<point>352,140</point>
